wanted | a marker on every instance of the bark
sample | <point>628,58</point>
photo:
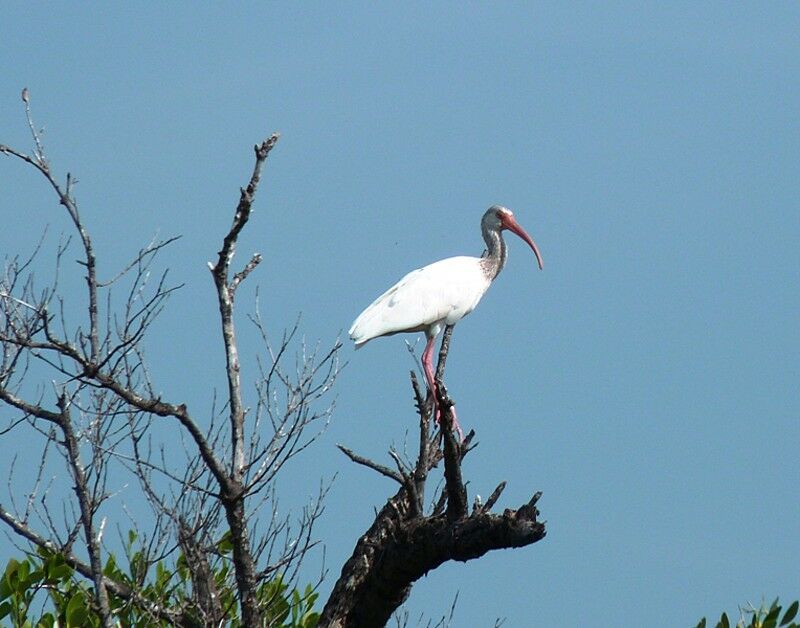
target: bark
<point>233,495</point>
<point>243,563</point>
<point>204,586</point>
<point>403,544</point>
<point>397,550</point>
<point>87,507</point>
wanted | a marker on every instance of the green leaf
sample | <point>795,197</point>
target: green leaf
<point>18,576</point>
<point>5,609</point>
<point>61,573</point>
<point>791,612</point>
<point>310,620</point>
<point>183,574</point>
<point>311,597</point>
<point>60,599</point>
<point>36,576</point>
<point>77,613</point>
<point>701,623</point>
<point>5,587</point>
<point>295,606</point>
<point>225,544</point>
<point>110,569</point>
<point>43,552</point>
<point>771,620</point>
<point>163,576</point>
<point>137,567</point>
<point>221,574</point>
<point>724,622</point>
<point>47,620</point>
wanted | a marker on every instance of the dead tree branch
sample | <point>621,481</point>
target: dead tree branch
<point>202,483</point>
<point>403,543</point>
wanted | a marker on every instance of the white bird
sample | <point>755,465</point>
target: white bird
<point>442,293</point>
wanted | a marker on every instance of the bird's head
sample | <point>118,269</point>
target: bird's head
<point>498,218</point>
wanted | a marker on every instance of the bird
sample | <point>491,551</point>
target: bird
<point>441,294</point>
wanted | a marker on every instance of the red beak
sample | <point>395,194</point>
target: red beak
<point>510,223</point>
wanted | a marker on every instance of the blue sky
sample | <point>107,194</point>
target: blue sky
<point>646,381</point>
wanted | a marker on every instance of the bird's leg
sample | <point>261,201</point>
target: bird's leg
<point>456,425</point>
<point>440,389</point>
<point>427,367</point>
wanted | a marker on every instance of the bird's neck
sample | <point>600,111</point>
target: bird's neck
<point>496,253</point>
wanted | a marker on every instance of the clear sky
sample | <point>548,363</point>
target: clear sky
<point>646,381</point>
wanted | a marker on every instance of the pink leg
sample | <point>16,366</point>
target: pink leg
<point>427,367</point>
<point>456,425</point>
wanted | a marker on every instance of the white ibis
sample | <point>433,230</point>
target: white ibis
<point>429,298</point>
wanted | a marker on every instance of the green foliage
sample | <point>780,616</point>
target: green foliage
<point>762,617</point>
<point>43,591</point>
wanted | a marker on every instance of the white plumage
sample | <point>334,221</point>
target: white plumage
<point>440,294</point>
<point>425,299</point>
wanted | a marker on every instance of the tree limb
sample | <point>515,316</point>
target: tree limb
<point>382,469</point>
<point>403,543</point>
<point>233,492</point>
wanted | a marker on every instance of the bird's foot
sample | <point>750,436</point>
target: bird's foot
<point>456,426</point>
<point>454,423</point>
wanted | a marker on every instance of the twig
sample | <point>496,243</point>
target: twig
<point>375,466</point>
<point>36,139</point>
<point>493,497</point>
<point>225,295</point>
<point>242,274</point>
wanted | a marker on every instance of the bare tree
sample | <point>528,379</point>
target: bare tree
<point>206,481</point>
<point>101,408</point>
<point>404,541</point>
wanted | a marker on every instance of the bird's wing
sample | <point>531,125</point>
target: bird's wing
<point>448,289</point>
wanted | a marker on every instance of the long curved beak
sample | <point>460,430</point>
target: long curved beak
<point>510,223</point>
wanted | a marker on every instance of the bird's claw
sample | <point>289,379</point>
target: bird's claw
<point>454,424</point>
